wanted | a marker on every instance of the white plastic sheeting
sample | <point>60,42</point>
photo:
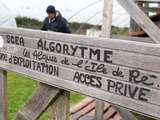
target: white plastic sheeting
<point>93,14</point>
<point>6,17</point>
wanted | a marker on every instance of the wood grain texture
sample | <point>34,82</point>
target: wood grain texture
<point>141,56</point>
<point>141,5</point>
<point>111,67</point>
<point>38,103</point>
<point>107,18</point>
<point>69,74</point>
<point>141,19</point>
<point>134,29</point>
<point>99,110</point>
<point>126,114</point>
<point>60,107</point>
<point>106,43</point>
<point>3,95</point>
<point>79,106</point>
<point>132,104</point>
<point>122,53</point>
<point>106,32</point>
<point>86,110</point>
<point>109,113</point>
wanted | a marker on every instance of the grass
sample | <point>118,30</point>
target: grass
<point>20,88</point>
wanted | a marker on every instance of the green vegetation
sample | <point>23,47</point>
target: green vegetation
<point>20,88</point>
<point>78,28</point>
<point>28,23</point>
<point>119,31</point>
<point>36,24</point>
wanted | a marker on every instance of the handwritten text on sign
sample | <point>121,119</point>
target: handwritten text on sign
<point>129,77</point>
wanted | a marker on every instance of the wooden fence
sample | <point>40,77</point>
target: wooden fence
<point>122,72</point>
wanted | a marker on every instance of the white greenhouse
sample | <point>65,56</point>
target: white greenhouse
<point>6,17</point>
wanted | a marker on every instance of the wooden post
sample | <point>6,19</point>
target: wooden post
<point>38,103</point>
<point>107,18</point>
<point>106,32</point>
<point>3,98</point>
<point>133,25</point>
<point>61,107</point>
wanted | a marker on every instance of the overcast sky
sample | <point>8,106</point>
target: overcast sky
<point>36,9</point>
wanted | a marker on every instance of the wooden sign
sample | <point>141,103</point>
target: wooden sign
<point>1,42</point>
<point>121,72</point>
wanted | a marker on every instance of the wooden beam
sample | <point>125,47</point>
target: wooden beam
<point>3,95</point>
<point>107,18</point>
<point>126,56</point>
<point>124,64</point>
<point>146,4</point>
<point>141,19</point>
<point>106,32</point>
<point>60,108</point>
<point>38,103</point>
<point>126,114</point>
<point>99,110</point>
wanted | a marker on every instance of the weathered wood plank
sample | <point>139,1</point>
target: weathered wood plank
<point>3,95</point>
<point>134,29</point>
<point>117,117</point>
<point>125,54</point>
<point>81,105</point>
<point>107,70</point>
<point>38,103</point>
<point>108,114</point>
<point>86,110</point>
<point>150,109</point>
<point>107,43</point>
<point>141,19</point>
<point>60,108</point>
<point>144,58</point>
<point>106,32</point>
<point>107,18</point>
<point>74,117</point>
<point>126,114</point>
<point>54,106</point>
<point>69,74</point>
<point>99,110</point>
